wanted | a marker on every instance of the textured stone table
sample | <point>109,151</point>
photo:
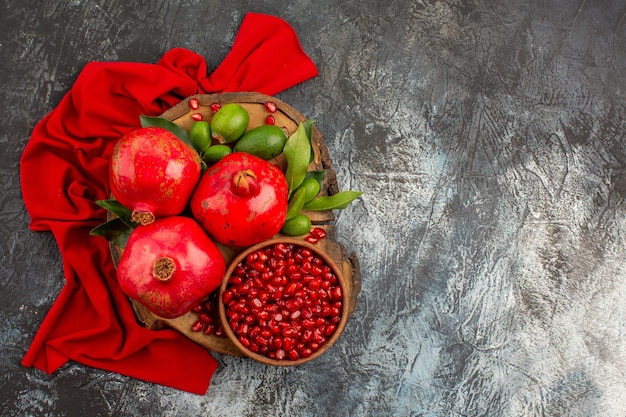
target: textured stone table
<point>489,139</point>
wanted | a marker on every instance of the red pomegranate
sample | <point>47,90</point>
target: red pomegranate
<point>170,265</point>
<point>153,173</point>
<point>241,200</point>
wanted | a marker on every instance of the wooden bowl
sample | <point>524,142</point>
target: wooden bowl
<point>346,297</point>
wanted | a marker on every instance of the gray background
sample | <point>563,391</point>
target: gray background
<point>488,137</point>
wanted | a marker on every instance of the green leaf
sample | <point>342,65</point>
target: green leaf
<point>308,128</point>
<point>297,151</point>
<point>151,121</point>
<point>119,210</point>
<point>338,201</point>
<point>296,203</point>
<point>115,231</point>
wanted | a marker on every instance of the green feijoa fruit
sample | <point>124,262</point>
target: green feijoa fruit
<point>297,226</point>
<point>311,188</point>
<point>265,141</point>
<point>215,153</point>
<point>229,123</point>
<point>200,134</point>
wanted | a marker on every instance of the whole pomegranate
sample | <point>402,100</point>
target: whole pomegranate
<point>153,173</point>
<point>170,265</point>
<point>241,200</point>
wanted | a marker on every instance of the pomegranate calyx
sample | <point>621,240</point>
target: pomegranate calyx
<point>163,269</point>
<point>244,183</point>
<point>142,217</point>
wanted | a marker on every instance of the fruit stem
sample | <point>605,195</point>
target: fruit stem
<point>142,217</point>
<point>245,183</point>
<point>163,269</point>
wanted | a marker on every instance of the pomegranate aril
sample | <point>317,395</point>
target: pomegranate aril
<point>242,329</point>
<point>280,354</point>
<point>209,329</point>
<point>254,332</point>
<point>194,103</point>
<point>205,318</point>
<point>289,343</point>
<point>306,266</point>
<point>290,332</point>
<point>270,120</point>
<point>197,326</point>
<point>242,289</point>
<point>277,342</point>
<point>197,117</point>
<point>228,296</point>
<point>197,309</point>
<point>307,335</point>
<point>309,323</point>
<point>318,232</point>
<point>305,353</point>
<point>317,271</point>
<point>215,107</point>
<point>293,355</point>
<point>270,106</point>
<point>311,239</point>
<point>260,340</point>
<point>263,315</point>
<point>330,329</point>
<point>337,293</point>
<point>219,331</point>
<point>327,310</point>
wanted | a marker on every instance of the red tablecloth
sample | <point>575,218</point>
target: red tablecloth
<point>64,169</point>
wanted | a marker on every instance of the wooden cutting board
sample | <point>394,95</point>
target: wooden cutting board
<point>183,115</point>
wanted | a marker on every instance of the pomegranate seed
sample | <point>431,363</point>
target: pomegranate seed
<point>197,117</point>
<point>194,103</point>
<point>197,309</point>
<point>277,342</point>
<point>318,232</point>
<point>205,318</point>
<point>227,296</point>
<point>280,354</point>
<point>215,107</point>
<point>289,343</point>
<point>270,120</point>
<point>307,335</point>
<point>261,341</point>
<point>293,355</point>
<point>209,329</point>
<point>197,326</point>
<point>270,106</point>
<point>311,239</point>
<point>244,341</point>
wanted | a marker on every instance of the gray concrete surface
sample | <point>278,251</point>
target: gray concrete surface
<point>489,139</point>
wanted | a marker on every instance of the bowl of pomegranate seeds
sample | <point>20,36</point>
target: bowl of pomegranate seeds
<point>282,302</point>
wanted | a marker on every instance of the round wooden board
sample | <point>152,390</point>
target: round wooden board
<point>287,117</point>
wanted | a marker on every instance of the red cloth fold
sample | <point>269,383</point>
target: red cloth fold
<point>64,169</point>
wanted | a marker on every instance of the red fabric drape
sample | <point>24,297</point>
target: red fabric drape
<point>64,169</point>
